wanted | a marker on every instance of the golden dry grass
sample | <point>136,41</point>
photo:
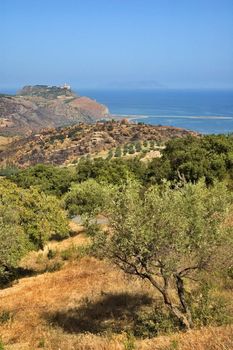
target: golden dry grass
<point>46,310</point>
<point>4,142</point>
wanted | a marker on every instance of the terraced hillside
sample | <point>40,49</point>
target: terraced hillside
<point>64,145</point>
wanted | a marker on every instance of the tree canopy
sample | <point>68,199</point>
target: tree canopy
<point>48,178</point>
<point>167,235</point>
<point>87,198</point>
<point>28,218</point>
<point>194,158</point>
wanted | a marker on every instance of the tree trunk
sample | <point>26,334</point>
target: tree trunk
<point>183,302</point>
<point>184,315</point>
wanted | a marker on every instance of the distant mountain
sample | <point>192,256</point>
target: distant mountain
<point>64,145</point>
<point>37,107</point>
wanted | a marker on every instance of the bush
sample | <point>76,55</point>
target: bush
<point>138,147</point>
<point>118,152</point>
<point>114,171</point>
<point>48,178</point>
<point>53,267</point>
<point>88,198</point>
<point>129,342</point>
<point>5,316</point>
<point>209,308</point>
<point>28,219</point>
<point>51,254</point>
<point>153,322</point>
<point>74,252</point>
<point>1,345</point>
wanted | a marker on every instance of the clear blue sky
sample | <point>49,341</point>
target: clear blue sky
<point>117,43</point>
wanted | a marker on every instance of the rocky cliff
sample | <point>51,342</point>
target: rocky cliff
<point>37,107</point>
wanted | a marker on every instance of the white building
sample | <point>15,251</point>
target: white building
<point>65,86</point>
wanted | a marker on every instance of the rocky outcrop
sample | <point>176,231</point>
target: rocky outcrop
<point>64,145</point>
<point>37,107</point>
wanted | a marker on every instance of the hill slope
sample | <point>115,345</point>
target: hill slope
<point>75,307</point>
<point>37,107</point>
<point>63,145</point>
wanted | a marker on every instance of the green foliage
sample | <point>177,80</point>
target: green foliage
<point>157,170</point>
<point>5,316</point>
<point>165,235</point>
<point>138,147</point>
<point>174,345</point>
<point>196,157</point>
<point>145,143</point>
<point>12,243</point>
<point>152,144</point>
<point>155,321</point>
<point>209,308</point>
<point>165,218</point>
<point>129,343</point>
<point>131,149</point>
<point>1,345</point>
<point>87,198</point>
<point>53,267</point>
<point>9,170</point>
<point>110,154</point>
<point>118,152</point>
<point>28,219</point>
<point>41,343</point>
<point>48,178</point>
<point>51,254</point>
<point>114,171</point>
<point>74,252</point>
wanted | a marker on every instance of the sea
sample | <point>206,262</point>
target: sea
<point>205,111</point>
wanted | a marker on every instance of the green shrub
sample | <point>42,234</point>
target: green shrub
<point>74,252</point>
<point>5,316</point>
<point>138,147</point>
<point>129,342</point>
<point>56,266</point>
<point>110,154</point>
<point>118,152</point>
<point>41,343</point>
<point>152,322</point>
<point>51,254</point>
<point>87,198</point>
<point>174,345</point>
<point>48,178</point>
<point>1,345</point>
<point>209,308</point>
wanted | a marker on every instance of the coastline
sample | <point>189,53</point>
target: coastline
<point>135,117</point>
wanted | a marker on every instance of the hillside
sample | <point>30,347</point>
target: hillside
<point>87,304</point>
<point>37,107</point>
<point>64,145</point>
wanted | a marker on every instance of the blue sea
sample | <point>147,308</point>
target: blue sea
<point>205,111</point>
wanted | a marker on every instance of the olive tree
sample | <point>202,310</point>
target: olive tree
<point>166,236</point>
<point>28,219</point>
<point>12,247</point>
<point>87,198</point>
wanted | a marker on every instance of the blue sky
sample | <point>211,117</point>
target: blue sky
<point>117,43</point>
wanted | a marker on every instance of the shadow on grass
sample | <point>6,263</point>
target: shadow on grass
<point>113,312</point>
<point>14,274</point>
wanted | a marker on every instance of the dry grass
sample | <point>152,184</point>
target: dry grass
<point>34,300</point>
<point>4,142</point>
<point>72,309</point>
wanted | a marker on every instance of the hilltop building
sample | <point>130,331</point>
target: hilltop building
<point>65,86</point>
